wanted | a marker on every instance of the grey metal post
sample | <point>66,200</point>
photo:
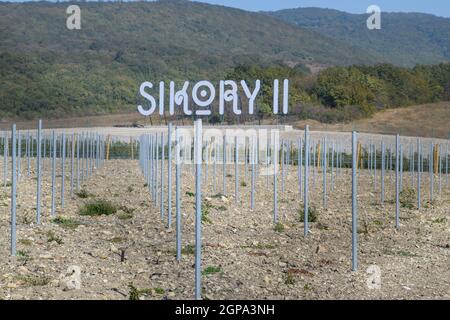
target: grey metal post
<point>275,171</point>
<point>354,205</point>
<point>162,176</point>
<point>299,166</point>
<point>72,164</point>
<point>419,171</point>
<point>236,170</point>
<point>383,166</point>
<point>306,179</point>
<point>38,170</point>
<point>397,182</point>
<point>53,172</point>
<point>19,153</point>
<point>431,168</point>
<point>253,159</point>
<point>178,193</point>
<point>224,165</point>
<point>283,165</point>
<point>324,170</point>
<point>446,165</point>
<point>5,159</point>
<point>169,175</point>
<point>13,190</point>
<point>375,167</point>
<point>78,162</point>
<point>63,168</point>
<point>28,147</point>
<point>332,166</point>
<point>198,208</point>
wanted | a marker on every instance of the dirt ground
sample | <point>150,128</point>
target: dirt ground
<point>244,257</point>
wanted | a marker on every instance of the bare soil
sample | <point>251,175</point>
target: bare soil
<point>248,258</point>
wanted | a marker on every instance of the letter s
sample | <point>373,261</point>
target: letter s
<point>148,97</point>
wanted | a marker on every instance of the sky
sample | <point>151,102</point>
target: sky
<point>437,7</point>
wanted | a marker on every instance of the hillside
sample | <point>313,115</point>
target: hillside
<point>46,67</point>
<point>427,120</point>
<point>405,39</point>
<point>48,70</point>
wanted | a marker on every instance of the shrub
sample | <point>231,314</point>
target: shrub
<point>211,270</point>
<point>98,208</point>
<point>279,227</point>
<point>408,198</point>
<point>66,223</point>
<point>83,194</point>
<point>312,214</point>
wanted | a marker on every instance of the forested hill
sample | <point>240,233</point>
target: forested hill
<point>405,39</point>
<point>47,69</point>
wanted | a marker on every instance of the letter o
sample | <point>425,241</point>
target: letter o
<point>203,93</point>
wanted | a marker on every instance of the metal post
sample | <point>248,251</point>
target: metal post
<point>383,166</point>
<point>397,182</point>
<point>162,176</point>
<point>224,165</point>
<point>178,193</point>
<point>275,171</point>
<point>354,205</point>
<point>72,165</point>
<point>198,208</point>
<point>324,170</point>
<point>63,168</point>
<point>306,179</point>
<point>53,172</point>
<point>419,171</point>
<point>169,175</point>
<point>13,190</point>
<point>236,170</point>
<point>38,170</point>
<point>253,159</point>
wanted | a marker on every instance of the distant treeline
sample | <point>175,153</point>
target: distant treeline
<point>346,93</point>
<point>31,88</point>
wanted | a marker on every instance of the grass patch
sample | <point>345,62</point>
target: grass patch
<point>401,253</point>
<point>159,290</point>
<point>190,194</point>
<point>211,270</point>
<point>33,280</point>
<point>135,293</point>
<point>23,256</point>
<point>312,214</point>
<point>408,198</point>
<point>83,194</point>
<point>289,280</point>
<point>206,209</point>
<point>279,227</point>
<point>125,216</point>
<point>377,223</point>
<point>243,184</point>
<point>98,208</point>
<point>439,220</point>
<point>308,287</point>
<point>66,223</point>
<point>322,226</point>
<point>51,237</point>
<point>189,249</point>
<point>117,240</point>
<point>25,242</point>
